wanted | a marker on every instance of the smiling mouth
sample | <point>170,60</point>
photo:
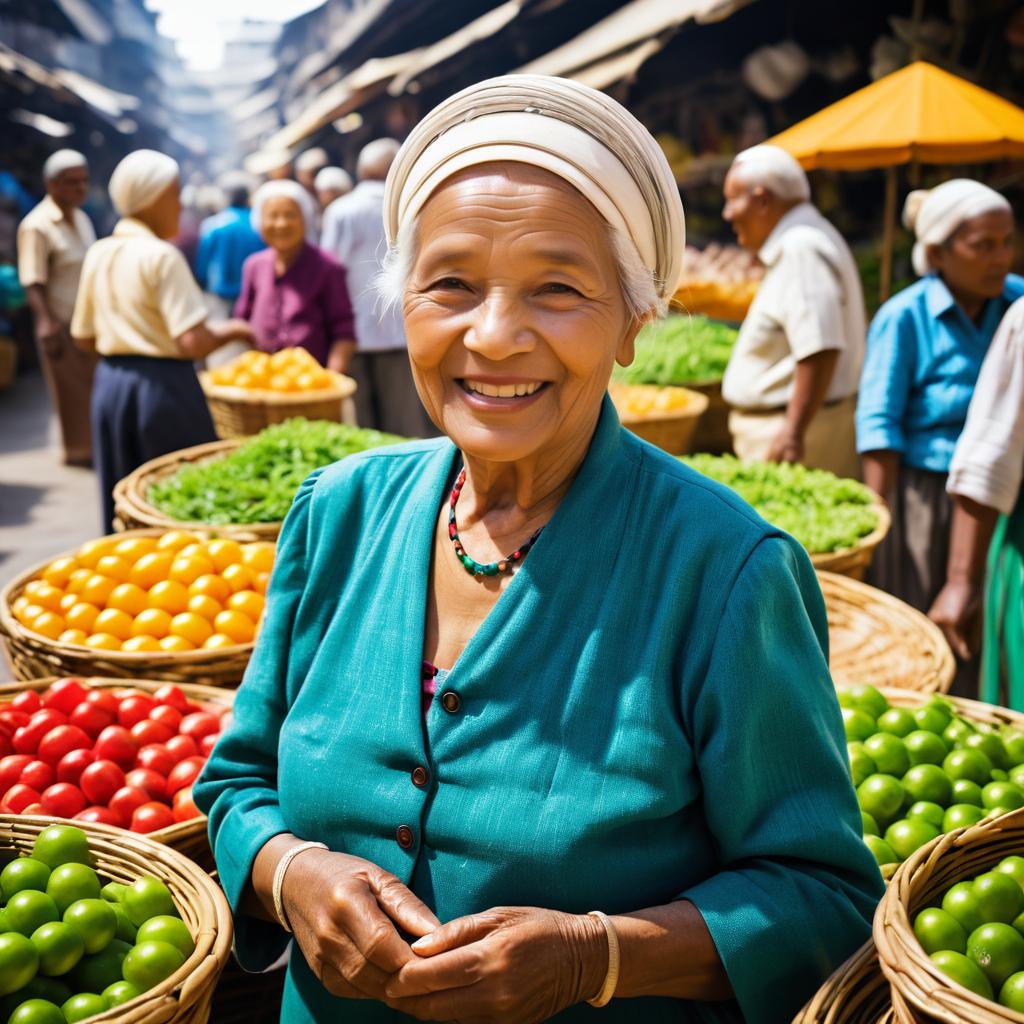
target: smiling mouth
<point>520,390</point>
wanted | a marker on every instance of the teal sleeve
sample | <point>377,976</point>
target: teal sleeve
<point>238,785</point>
<point>797,887</point>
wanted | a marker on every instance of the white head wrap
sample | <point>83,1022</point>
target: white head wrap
<point>776,170</point>
<point>333,179</point>
<point>61,161</point>
<point>312,160</point>
<point>934,215</point>
<point>140,178</point>
<point>575,132</point>
<point>285,189</point>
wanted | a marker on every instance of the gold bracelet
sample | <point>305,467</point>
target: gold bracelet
<point>611,979</point>
<point>279,872</point>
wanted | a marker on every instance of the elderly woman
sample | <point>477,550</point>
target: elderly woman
<point>538,716</point>
<point>140,309</point>
<point>293,293</point>
<point>925,349</point>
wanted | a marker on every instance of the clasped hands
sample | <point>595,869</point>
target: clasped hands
<point>507,964</point>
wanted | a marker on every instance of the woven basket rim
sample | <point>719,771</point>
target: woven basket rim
<point>829,1005</point>
<point>696,404</point>
<point>868,542</point>
<point>343,387</point>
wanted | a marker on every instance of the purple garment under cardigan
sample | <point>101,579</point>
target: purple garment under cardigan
<point>308,305</point>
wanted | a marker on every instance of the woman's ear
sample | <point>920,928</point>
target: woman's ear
<point>626,351</point>
<point>936,256</point>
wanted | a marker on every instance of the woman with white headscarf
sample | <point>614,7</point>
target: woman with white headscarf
<point>141,311</point>
<point>924,353</point>
<point>492,757</point>
<point>294,293</point>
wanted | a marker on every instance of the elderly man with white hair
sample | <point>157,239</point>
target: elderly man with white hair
<point>52,242</point>
<point>331,183</point>
<point>792,379</point>
<point>140,309</point>
<point>353,231</point>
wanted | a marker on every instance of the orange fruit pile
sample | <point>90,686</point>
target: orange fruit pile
<point>290,369</point>
<point>634,401</point>
<point>176,592</point>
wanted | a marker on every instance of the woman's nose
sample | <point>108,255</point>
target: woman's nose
<point>498,329</point>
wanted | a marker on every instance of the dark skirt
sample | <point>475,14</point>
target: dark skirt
<point>143,408</point>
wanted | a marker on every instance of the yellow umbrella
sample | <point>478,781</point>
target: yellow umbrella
<point>919,113</point>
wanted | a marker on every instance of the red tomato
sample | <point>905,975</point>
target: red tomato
<point>181,747</point>
<point>62,740</point>
<point>34,809</point>
<point>125,801</point>
<point>184,806</point>
<point>72,764</point>
<point>184,774</point>
<point>134,709</point>
<point>63,800</point>
<point>11,768</point>
<point>198,725</point>
<point>105,699</point>
<point>6,746</point>
<point>172,697</point>
<point>91,718</point>
<point>157,758</point>
<point>149,817</point>
<point>115,744</point>
<point>207,743</point>
<point>27,738</point>
<point>104,815</point>
<point>149,781</point>
<point>147,731</point>
<point>18,798</point>
<point>166,715</point>
<point>101,780</point>
<point>28,701</point>
<point>38,775</point>
<point>11,721</point>
<point>64,695</point>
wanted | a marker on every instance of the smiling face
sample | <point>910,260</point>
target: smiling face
<point>281,224</point>
<point>975,261</point>
<point>70,188</point>
<point>514,313</point>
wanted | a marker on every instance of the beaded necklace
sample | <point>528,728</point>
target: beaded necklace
<point>473,567</point>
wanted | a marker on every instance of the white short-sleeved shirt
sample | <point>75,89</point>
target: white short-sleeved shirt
<point>136,295</point>
<point>988,462</point>
<point>810,301</point>
<point>51,249</point>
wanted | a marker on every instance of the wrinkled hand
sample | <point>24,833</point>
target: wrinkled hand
<point>508,964</point>
<point>957,612</point>
<point>787,447</point>
<point>343,912</point>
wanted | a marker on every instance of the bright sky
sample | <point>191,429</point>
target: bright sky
<point>198,25</point>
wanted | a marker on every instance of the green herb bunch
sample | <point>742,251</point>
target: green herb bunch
<point>679,350</point>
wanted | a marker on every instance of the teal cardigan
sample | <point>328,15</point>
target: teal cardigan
<point>645,715</point>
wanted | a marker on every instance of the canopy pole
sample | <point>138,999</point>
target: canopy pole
<point>888,235</point>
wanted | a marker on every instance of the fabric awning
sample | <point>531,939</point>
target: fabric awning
<point>89,22</point>
<point>616,69</point>
<point>99,97</point>
<point>258,103</point>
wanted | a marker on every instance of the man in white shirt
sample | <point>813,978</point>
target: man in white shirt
<point>353,231</point>
<point>792,379</point>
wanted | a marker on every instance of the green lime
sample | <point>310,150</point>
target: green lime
<point>925,747</point>
<point>60,948</point>
<point>960,816</point>
<point>29,910</point>
<point>868,825</point>
<point>927,782</point>
<point>1013,741</point>
<point>37,1011</point>
<point>861,765</point>
<point>125,929</point>
<point>963,971</point>
<point>1002,794</point>
<point>23,873</point>
<point>962,904</point>
<point>998,949</point>
<point>858,725</point>
<point>881,796</point>
<point>85,1004</point>
<point>148,897</point>
<point>53,990</point>
<point>1014,867</point>
<point>904,837</point>
<point>1018,923</point>
<point>936,929</point>
<point>897,721</point>
<point>121,992</point>
<point>94,920</point>
<point>888,753</point>
<point>168,929</point>
<point>19,961</point>
<point>1016,775</point>
<point>932,813</point>
<point>881,850</point>
<point>72,882</point>
<point>999,897</point>
<point>991,746</point>
<point>932,718</point>
<point>96,972</point>
<point>62,844</point>
<point>966,792</point>
<point>968,764</point>
<point>113,892</point>
<point>998,775</point>
<point>956,732</point>
<point>868,699</point>
<point>149,963</point>
<point>1011,995</point>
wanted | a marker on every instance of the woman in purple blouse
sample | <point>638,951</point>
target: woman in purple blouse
<point>294,293</point>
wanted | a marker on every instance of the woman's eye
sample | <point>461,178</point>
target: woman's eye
<point>448,283</point>
<point>557,288</point>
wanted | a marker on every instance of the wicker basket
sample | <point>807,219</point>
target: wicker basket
<point>33,656</point>
<point>712,434</point>
<point>238,412</point>
<point>132,510</point>
<point>184,997</point>
<point>854,562</point>
<point>876,638</point>
<point>187,837</point>
<point>921,992</point>
<point>671,431</point>
<point>855,993</point>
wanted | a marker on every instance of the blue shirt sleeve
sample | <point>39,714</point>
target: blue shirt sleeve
<point>798,887</point>
<point>885,382</point>
<point>238,785</point>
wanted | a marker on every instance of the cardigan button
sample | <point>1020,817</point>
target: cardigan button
<point>451,702</point>
<point>420,776</point>
<point>405,837</point>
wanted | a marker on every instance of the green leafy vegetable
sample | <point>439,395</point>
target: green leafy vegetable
<point>256,482</point>
<point>679,350</point>
<point>822,511</point>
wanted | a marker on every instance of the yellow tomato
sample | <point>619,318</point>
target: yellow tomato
<point>223,552</point>
<point>260,582</point>
<point>115,622</point>
<point>236,625</point>
<point>93,550</point>
<point>128,597</point>
<point>282,382</point>
<point>247,601</point>
<point>18,606</point>
<point>131,549</point>
<point>29,613</point>
<point>97,589</point>
<point>169,595</point>
<point>45,596</point>
<point>237,577</point>
<point>210,585</point>
<point>176,643</point>
<point>114,567</point>
<point>48,624</point>
<point>58,573</point>
<point>192,627</point>
<point>103,642</point>
<point>83,616</point>
<point>151,622</point>
<point>141,643</point>
<point>67,602</point>
<point>259,556</point>
<point>188,570</point>
<point>150,569</point>
<point>175,540</point>
<point>73,636</point>
<point>205,607</point>
<point>78,580</point>
<point>218,640</point>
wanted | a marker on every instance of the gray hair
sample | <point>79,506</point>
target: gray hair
<point>312,160</point>
<point>61,161</point>
<point>333,179</point>
<point>375,159</point>
<point>636,279</point>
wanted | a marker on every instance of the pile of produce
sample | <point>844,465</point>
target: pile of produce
<point>256,482</point>
<point>117,756</point>
<point>925,772</point>
<point>640,401</point>
<point>730,266</point>
<point>679,350</point>
<point>822,511</point>
<point>975,933</point>
<point>72,947</point>
<point>290,369</point>
<point>175,592</point>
